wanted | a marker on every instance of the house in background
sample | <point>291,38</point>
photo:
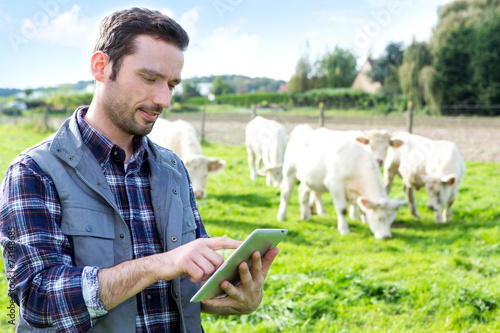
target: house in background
<point>363,80</point>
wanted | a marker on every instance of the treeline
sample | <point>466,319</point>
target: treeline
<point>9,91</point>
<point>339,98</point>
<point>226,84</point>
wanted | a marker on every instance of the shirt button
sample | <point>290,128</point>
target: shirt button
<point>88,228</point>
<point>122,236</point>
<point>176,295</point>
<point>174,191</point>
<point>173,162</point>
<point>174,239</point>
<point>188,223</point>
<point>149,296</point>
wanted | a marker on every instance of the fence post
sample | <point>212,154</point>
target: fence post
<point>254,110</point>
<point>46,118</point>
<point>321,114</point>
<point>203,114</point>
<point>409,119</point>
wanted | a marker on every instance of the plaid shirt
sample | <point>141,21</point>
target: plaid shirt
<point>53,292</point>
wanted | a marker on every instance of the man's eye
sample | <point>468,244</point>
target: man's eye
<point>172,87</point>
<point>148,80</point>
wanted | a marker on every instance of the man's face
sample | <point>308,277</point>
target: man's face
<point>143,86</point>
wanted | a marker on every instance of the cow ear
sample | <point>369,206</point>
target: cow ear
<point>396,143</point>
<point>363,140</point>
<point>449,179</point>
<point>364,204</point>
<point>216,165</point>
<point>396,204</point>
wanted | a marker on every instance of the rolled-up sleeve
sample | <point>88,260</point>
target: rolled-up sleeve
<point>38,256</point>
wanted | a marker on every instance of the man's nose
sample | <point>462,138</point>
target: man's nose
<point>162,97</point>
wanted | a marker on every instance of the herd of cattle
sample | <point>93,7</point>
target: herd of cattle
<point>345,164</point>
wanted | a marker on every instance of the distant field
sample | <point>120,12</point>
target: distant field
<point>427,278</point>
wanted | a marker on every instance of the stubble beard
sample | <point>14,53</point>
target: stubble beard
<point>123,116</point>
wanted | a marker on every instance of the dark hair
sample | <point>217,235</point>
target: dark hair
<point>118,31</point>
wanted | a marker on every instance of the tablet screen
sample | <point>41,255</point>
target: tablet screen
<point>261,240</point>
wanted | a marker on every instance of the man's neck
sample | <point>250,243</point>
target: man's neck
<point>97,119</point>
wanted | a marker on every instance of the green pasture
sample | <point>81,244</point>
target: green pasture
<point>427,278</point>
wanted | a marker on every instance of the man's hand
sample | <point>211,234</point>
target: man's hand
<point>247,296</point>
<point>197,259</point>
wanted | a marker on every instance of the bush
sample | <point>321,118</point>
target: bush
<point>342,98</point>
<point>245,100</point>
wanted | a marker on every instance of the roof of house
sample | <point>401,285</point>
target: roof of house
<point>363,80</point>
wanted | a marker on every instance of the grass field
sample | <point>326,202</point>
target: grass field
<point>427,278</point>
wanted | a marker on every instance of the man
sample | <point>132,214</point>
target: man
<point>105,229</point>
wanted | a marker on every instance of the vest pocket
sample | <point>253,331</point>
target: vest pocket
<point>189,226</point>
<point>91,234</point>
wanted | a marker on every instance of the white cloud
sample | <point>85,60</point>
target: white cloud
<point>66,28</point>
<point>226,50</point>
<point>189,19</point>
<point>169,12</point>
<point>4,18</point>
<point>376,3</point>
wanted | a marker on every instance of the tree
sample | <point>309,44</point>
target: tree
<point>386,70</point>
<point>466,48</point>
<point>415,58</point>
<point>385,67</point>
<point>462,14</point>
<point>300,81</point>
<point>189,89</point>
<point>335,70</point>
<point>453,69</point>
<point>484,62</point>
<point>221,87</point>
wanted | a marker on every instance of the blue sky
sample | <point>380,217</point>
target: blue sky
<point>45,43</point>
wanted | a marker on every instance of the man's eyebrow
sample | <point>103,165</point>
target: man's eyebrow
<point>152,72</point>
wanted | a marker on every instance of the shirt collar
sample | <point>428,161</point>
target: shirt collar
<point>104,149</point>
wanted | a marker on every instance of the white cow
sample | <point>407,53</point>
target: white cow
<point>181,137</point>
<point>421,162</point>
<point>378,141</point>
<point>331,162</point>
<point>266,142</point>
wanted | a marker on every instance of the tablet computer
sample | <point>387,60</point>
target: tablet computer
<point>261,240</point>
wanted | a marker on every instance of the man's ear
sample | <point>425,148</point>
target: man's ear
<point>98,63</point>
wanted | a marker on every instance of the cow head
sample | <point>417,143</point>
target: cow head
<point>439,190</point>
<point>275,174</point>
<point>380,215</point>
<point>379,141</point>
<point>199,167</point>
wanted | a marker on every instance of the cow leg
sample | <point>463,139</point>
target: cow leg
<point>337,192</point>
<point>269,178</point>
<point>251,163</point>
<point>437,216</point>
<point>316,204</point>
<point>447,210</point>
<point>410,198</point>
<point>388,178</point>
<point>304,194</point>
<point>353,212</point>
<point>286,186</point>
